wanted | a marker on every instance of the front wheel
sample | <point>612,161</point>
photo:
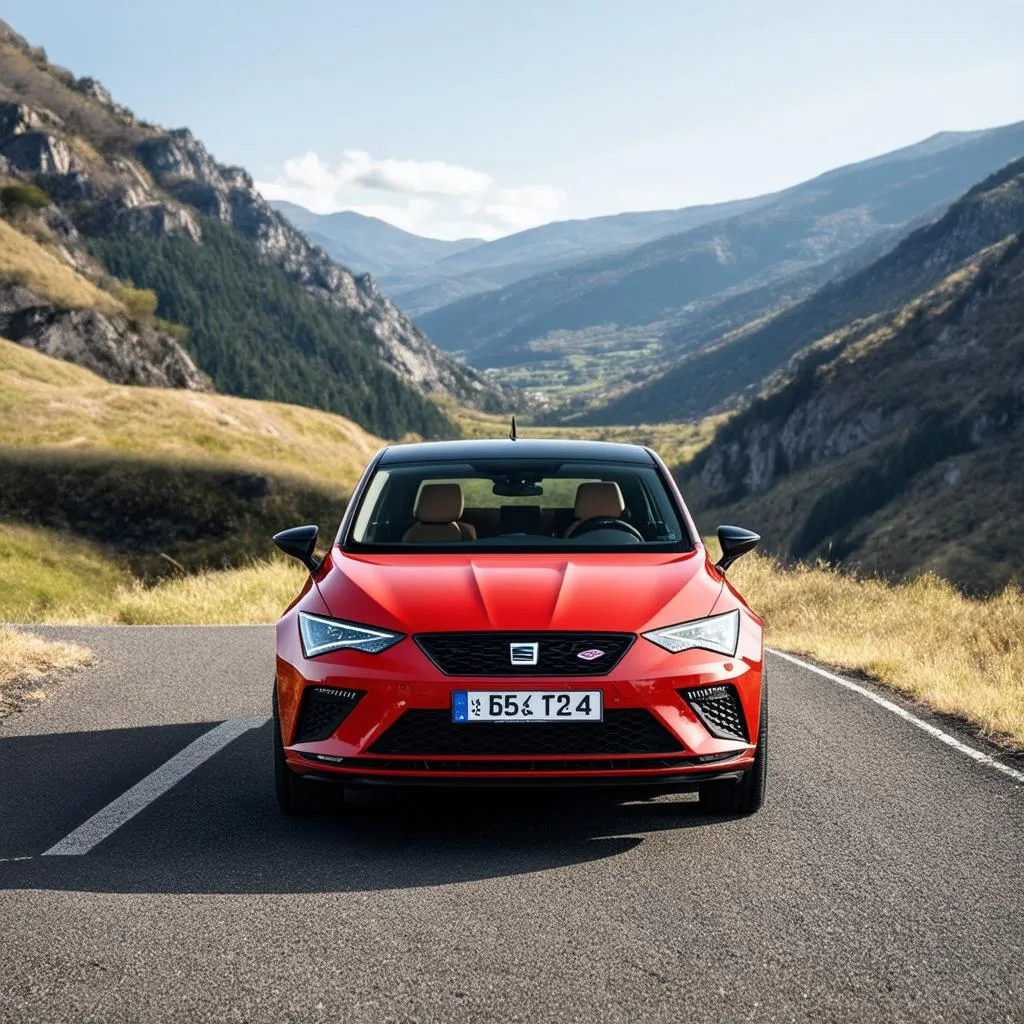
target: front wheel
<point>747,795</point>
<point>292,790</point>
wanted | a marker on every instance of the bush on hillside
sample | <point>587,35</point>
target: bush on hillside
<point>141,303</point>
<point>22,196</point>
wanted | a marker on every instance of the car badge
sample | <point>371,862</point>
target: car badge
<point>523,654</point>
<point>591,654</point>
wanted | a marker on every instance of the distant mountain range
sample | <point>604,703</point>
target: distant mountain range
<point>367,245</point>
<point>424,273</point>
<point>892,438</point>
<point>627,315</point>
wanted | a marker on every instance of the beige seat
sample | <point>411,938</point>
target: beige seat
<point>600,498</point>
<point>437,513</point>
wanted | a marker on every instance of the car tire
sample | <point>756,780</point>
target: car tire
<point>292,790</point>
<point>747,795</point>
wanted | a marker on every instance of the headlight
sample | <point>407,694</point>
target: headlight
<point>719,633</point>
<point>320,635</point>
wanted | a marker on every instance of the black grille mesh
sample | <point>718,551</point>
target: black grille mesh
<point>558,654</point>
<point>323,710</point>
<point>718,707</point>
<point>422,732</point>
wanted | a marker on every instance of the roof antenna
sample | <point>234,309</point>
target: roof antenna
<point>512,435</point>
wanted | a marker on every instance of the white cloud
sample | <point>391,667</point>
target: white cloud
<point>462,202</point>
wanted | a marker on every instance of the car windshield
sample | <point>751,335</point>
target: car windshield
<point>520,505</point>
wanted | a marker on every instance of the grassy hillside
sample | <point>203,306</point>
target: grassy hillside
<point>47,403</point>
<point>203,479</point>
<point>54,577</point>
<point>25,261</point>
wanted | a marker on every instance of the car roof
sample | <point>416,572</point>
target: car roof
<point>525,448</point>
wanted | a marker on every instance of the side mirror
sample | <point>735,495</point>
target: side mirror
<point>300,542</point>
<point>734,541</point>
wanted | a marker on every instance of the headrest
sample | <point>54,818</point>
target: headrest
<point>439,503</point>
<point>599,499</point>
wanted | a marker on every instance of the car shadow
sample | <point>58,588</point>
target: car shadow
<point>219,830</point>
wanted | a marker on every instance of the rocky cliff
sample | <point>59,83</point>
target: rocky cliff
<point>109,173</point>
<point>894,442</point>
<point>118,348</point>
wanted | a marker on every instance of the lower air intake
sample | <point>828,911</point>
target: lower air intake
<point>427,733</point>
<point>718,708</point>
<point>323,709</point>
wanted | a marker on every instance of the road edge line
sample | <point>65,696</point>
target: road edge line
<point>933,730</point>
<point>118,812</point>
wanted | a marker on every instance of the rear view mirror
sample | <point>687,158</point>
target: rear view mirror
<point>734,541</point>
<point>509,488</point>
<point>300,542</point>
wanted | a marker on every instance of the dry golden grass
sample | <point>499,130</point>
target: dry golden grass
<point>24,260</point>
<point>26,659</point>
<point>954,654</point>
<point>46,574</point>
<point>48,403</point>
<point>257,593</point>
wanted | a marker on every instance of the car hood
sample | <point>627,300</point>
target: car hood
<point>427,593</point>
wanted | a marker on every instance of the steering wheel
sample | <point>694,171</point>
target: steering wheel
<point>605,523</point>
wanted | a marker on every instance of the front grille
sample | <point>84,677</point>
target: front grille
<point>323,710</point>
<point>558,654</point>
<point>422,732</point>
<point>719,709</point>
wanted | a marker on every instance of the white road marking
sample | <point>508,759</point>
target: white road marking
<point>932,730</point>
<point>107,821</point>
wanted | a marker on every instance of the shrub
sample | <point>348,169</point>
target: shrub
<point>141,303</point>
<point>179,332</point>
<point>21,196</point>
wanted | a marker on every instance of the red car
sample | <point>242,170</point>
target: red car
<point>520,612</point>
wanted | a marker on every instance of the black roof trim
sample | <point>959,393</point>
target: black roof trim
<point>524,448</point>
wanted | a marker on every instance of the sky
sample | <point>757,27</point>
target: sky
<point>454,119</point>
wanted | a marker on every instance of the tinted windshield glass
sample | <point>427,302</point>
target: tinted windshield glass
<point>517,505</point>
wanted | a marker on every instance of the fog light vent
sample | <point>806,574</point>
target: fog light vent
<point>718,708</point>
<point>324,708</point>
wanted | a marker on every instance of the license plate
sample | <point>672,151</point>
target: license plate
<point>526,706</point>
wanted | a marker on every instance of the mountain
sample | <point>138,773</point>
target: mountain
<point>894,441</point>
<point>267,313</point>
<point>740,362</point>
<point>644,297</point>
<point>515,257</point>
<point>368,245</point>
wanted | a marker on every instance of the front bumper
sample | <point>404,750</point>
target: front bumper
<point>647,682</point>
<point>676,782</point>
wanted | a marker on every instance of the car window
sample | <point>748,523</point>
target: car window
<point>521,505</point>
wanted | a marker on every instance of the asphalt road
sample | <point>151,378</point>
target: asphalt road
<point>883,880</point>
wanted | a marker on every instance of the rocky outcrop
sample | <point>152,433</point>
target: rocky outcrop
<point>120,350</point>
<point>181,165</point>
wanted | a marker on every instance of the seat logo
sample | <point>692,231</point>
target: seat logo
<point>523,654</point>
<point>591,654</point>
